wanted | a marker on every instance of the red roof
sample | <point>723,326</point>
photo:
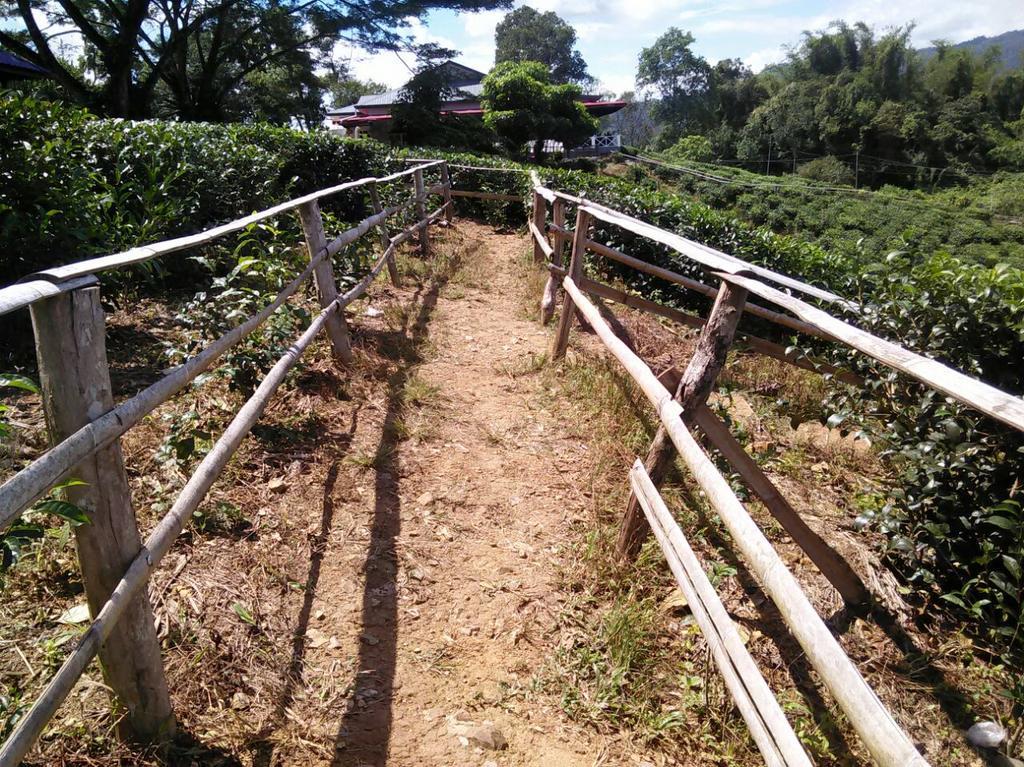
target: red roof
<point>599,107</point>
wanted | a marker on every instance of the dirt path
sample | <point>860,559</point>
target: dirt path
<point>439,563</point>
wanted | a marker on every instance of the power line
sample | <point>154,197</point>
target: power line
<point>808,187</point>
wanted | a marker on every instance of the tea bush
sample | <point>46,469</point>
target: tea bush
<point>74,186</point>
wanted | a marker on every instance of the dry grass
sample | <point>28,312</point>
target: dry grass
<point>255,690</point>
<point>232,599</point>
<point>628,662</point>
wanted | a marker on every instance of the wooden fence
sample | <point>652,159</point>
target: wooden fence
<point>85,428</point>
<point>116,564</point>
<point>678,413</point>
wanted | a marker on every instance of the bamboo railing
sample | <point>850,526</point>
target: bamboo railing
<point>85,427</point>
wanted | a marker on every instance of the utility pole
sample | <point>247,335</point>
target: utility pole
<point>768,165</point>
<point>856,166</point>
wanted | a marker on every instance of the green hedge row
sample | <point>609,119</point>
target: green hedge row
<point>73,186</point>
<point>976,223</point>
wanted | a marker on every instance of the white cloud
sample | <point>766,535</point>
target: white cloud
<point>612,32</point>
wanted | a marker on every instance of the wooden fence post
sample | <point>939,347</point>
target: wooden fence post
<point>446,184</point>
<point>547,303</point>
<point>72,355</point>
<point>421,212</point>
<point>323,274</point>
<point>694,387</point>
<point>540,214</point>
<point>385,241</point>
<point>579,250</point>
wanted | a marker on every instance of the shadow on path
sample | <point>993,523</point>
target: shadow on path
<point>364,734</point>
<point>263,746</point>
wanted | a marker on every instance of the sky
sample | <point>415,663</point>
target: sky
<point>612,32</point>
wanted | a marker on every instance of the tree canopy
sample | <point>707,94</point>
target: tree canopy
<point>529,35</point>
<point>200,59</point>
<point>844,92</point>
<point>521,104</point>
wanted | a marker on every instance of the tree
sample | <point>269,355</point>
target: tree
<point>692,149</point>
<point>190,57</point>
<point>419,116</point>
<point>528,35</point>
<point>343,89</point>
<point>633,122</point>
<point>681,78</point>
<point>521,104</point>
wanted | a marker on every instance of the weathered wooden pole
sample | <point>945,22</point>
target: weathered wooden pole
<point>693,390</point>
<point>547,304</point>
<point>72,354</point>
<point>446,190</point>
<point>326,288</point>
<point>385,241</point>
<point>421,212</point>
<point>583,221</point>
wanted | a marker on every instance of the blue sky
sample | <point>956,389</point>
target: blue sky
<point>612,32</point>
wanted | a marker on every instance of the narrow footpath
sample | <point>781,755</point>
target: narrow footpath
<point>436,602</point>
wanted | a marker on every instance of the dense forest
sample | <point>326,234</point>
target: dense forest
<point>869,100</point>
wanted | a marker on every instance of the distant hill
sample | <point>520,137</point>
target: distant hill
<point>1011,44</point>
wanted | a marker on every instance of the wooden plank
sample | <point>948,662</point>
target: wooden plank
<point>768,725</point>
<point>540,244</point>
<point>888,744</point>
<point>970,391</point>
<point>541,249</point>
<point>29,484</point>
<point>550,297</point>
<point>704,255</point>
<point>828,561</point>
<point>75,381</point>
<point>326,288</point>
<point>486,195</point>
<point>474,167</point>
<point>149,252</point>
<point>754,343</point>
<point>708,359</point>
<point>446,190</point>
<point>26,293</point>
<point>699,287</point>
<point>561,342</point>
<point>159,542</point>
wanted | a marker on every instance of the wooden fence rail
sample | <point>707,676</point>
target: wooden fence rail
<point>888,744</point>
<point>96,437</point>
<point>116,565</point>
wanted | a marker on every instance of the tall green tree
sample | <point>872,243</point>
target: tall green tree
<point>529,35</point>
<point>521,104</point>
<point>189,57</point>
<point>681,78</point>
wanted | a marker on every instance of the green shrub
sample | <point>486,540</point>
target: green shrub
<point>691,148</point>
<point>74,186</point>
<point>829,169</point>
